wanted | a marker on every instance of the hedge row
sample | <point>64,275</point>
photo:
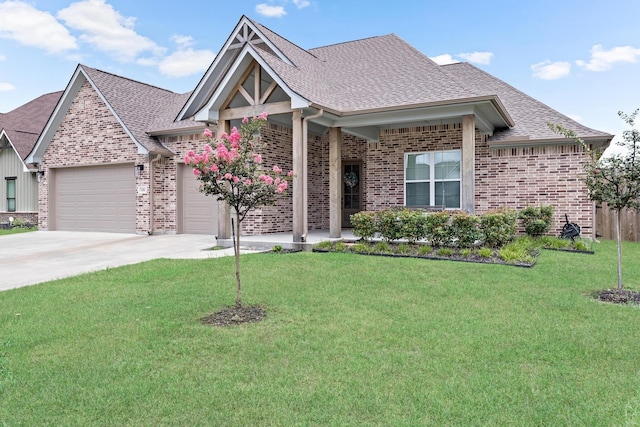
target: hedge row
<point>459,229</point>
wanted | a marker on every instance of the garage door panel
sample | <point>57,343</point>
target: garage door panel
<point>199,212</point>
<point>97,198</point>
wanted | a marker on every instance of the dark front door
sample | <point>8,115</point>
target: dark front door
<point>351,191</point>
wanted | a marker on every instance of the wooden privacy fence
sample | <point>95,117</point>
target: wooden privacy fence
<point>606,225</point>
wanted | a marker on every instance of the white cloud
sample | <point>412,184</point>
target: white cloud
<point>186,62</point>
<point>107,30</point>
<point>2,57</point>
<point>483,58</point>
<point>5,87</point>
<point>547,70</point>
<point>575,117</point>
<point>443,59</point>
<point>182,41</point>
<point>603,60</point>
<point>29,26</point>
<point>301,3</point>
<point>270,11</point>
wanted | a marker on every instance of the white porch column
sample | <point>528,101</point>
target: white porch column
<point>299,195</point>
<point>468,163</point>
<point>335,183</point>
<point>224,212</point>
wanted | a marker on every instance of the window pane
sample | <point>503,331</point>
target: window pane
<point>448,194</point>
<point>11,188</point>
<point>11,205</point>
<point>418,166</point>
<point>447,165</point>
<point>417,194</point>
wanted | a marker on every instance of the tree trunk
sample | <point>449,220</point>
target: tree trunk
<point>236,250</point>
<point>617,216</point>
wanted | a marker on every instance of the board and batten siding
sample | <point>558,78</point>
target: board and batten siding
<point>26,184</point>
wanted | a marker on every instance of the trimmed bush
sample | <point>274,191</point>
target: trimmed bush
<point>498,227</point>
<point>412,224</point>
<point>437,228</point>
<point>364,224</point>
<point>536,220</point>
<point>464,230</point>
<point>390,224</point>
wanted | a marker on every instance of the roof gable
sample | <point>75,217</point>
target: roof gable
<point>22,126</point>
<point>137,106</point>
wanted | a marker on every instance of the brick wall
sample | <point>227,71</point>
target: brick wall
<point>90,135</point>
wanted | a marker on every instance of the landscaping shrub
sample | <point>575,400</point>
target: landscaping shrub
<point>498,227</point>
<point>437,228</point>
<point>362,248</point>
<point>382,248</point>
<point>389,224</point>
<point>324,245</point>
<point>404,249</point>
<point>340,247</point>
<point>412,224</point>
<point>464,230</point>
<point>445,252</point>
<point>536,220</point>
<point>485,252</point>
<point>364,224</point>
<point>424,250</point>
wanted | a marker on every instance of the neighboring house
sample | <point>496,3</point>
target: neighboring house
<point>411,132</point>
<point>19,131</point>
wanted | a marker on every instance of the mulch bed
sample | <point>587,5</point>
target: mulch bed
<point>614,296</point>
<point>235,315</point>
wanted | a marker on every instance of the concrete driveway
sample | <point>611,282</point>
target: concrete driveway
<point>40,256</point>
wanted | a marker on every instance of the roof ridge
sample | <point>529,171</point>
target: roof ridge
<point>354,41</point>
<point>282,37</point>
<point>129,79</point>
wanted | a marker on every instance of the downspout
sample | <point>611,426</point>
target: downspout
<point>151,193</point>
<point>305,207</point>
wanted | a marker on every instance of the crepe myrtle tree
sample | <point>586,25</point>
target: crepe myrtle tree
<point>614,180</point>
<point>230,167</point>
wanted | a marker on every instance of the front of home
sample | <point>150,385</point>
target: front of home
<point>365,125</point>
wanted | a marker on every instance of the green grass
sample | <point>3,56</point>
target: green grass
<point>348,340</point>
<point>16,230</point>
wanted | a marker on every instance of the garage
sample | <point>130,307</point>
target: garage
<point>198,213</point>
<point>96,198</point>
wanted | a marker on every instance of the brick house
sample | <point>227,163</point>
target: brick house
<point>19,130</point>
<point>402,129</point>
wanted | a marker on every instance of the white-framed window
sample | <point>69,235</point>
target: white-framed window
<point>433,178</point>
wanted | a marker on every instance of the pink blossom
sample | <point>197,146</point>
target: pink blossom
<point>282,187</point>
<point>187,159</point>
<point>276,169</point>
<point>236,179</point>
<point>214,168</point>
<point>290,173</point>
<point>234,137</point>
<point>228,176</point>
<point>197,172</point>
<point>263,116</point>
<point>257,158</point>
<point>247,181</point>
<point>207,133</point>
<point>208,149</point>
<point>224,135</point>
<point>245,120</point>
<point>277,181</point>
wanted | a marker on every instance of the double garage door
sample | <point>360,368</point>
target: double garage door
<point>97,198</point>
<point>103,198</point>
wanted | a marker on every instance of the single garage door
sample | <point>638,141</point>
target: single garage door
<point>199,213</point>
<point>96,198</point>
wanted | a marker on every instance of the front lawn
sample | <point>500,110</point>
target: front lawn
<point>16,230</point>
<point>348,340</point>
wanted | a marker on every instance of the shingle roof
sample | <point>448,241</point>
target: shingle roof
<point>373,73</point>
<point>140,106</point>
<point>530,115</point>
<point>24,124</point>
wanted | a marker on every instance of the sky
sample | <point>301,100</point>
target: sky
<point>580,57</point>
